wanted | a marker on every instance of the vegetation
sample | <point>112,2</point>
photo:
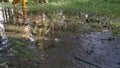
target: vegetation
<point>73,6</point>
<point>107,7</point>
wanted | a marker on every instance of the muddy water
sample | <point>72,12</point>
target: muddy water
<point>98,49</point>
<point>75,50</point>
<point>72,49</point>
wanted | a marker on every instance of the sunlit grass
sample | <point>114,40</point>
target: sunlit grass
<point>6,4</point>
<point>108,7</point>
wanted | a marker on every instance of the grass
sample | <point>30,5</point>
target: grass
<point>109,7</point>
<point>106,8</point>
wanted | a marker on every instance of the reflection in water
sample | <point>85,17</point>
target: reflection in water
<point>4,42</point>
<point>3,37</point>
<point>32,42</point>
<point>2,29</point>
<point>28,32</point>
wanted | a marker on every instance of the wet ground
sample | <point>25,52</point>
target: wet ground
<point>93,50</point>
<point>74,47</point>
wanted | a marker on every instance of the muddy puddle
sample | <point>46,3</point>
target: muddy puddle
<point>64,45</point>
<point>92,50</point>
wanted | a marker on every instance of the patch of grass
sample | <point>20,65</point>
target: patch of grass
<point>106,7</point>
<point>6,4</point>
<point>98,7</point>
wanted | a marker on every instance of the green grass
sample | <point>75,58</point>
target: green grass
<point>106,7</point>
<point>6,4</point>
<point>98,7</point>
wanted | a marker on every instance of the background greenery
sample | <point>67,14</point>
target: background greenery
<point>107,7</point>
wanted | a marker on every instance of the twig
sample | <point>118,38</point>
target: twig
<point>87,62</point>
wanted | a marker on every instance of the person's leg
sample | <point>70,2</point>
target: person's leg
<point>15,3</point>
<point>24,9</point>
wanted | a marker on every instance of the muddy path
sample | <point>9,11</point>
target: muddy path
<point>70,46</point>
